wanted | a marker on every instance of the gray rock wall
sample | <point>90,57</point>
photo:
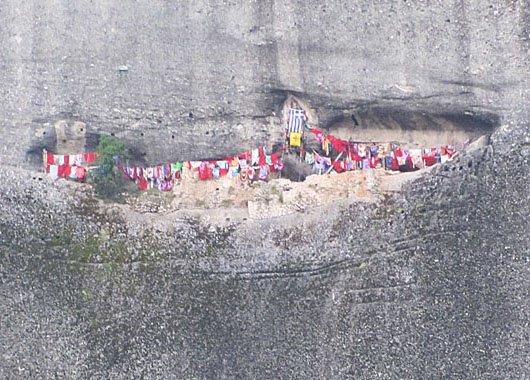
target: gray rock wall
<point>433,284</point>
<point>179,80</point>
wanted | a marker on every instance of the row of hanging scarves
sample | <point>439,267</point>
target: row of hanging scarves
<point>68,159</point>
<point>252,165</point>
<point>364,156</point>
<point>71,166</point>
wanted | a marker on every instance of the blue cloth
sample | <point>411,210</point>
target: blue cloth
<point>216,173</point>
<point>222,164</point>
<point>296,121</point>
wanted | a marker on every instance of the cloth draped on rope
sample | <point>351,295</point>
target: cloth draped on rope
<point>296,121</point>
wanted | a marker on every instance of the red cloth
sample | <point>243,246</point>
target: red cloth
<point>271,168</point>
<point>338,166</point>
<point>60,171</point>
<point>262,159</point>
<point>245,156</point>
<point>205,171</point>
<point>223,172</point>
<point>356,157</point>
<point>316,131</point>
<point>395,164</point>
<point>47,168</point>
<point>67,169</point>
<point>337,143</point>
<point>66,159</point>
<point>274,158</point>
<point>373,162</point>
<point>90,157</point>
<point>81,172</point>
<point>143,183</point>
<point>49,158</point>
<point>429,160</point>
<point>398,152</point>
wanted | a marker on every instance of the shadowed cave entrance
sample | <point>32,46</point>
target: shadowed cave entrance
<point>407,129</point>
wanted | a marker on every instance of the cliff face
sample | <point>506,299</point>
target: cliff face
<point>183,80</point>
<point>433,283</point>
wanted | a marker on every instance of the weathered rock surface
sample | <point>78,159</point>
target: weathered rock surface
<point>432,284</point>
<point>181,80</point>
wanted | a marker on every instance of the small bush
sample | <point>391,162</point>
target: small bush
<point>107,179</point>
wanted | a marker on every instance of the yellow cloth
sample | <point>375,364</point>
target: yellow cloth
<point>295,139</point>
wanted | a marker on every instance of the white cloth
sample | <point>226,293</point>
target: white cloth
<point>255,156</point>
<point>222,164</point>
<point>417,161</point>
<point>73,172</point>
<point>415,153</point>
<point>54,171</point>
<point>444,158</point>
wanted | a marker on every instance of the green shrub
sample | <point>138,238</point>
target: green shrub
<point>108,181</point>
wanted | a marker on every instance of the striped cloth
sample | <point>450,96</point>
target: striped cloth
<point>296,121</point>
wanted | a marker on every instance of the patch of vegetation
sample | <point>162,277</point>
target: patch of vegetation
<point>93,250</point>
<point>280,197</point>
<point>95,325</point>
<point>363,265</point>
<point>107,179</point>
<point>62,239</point>
<point>87,251</point>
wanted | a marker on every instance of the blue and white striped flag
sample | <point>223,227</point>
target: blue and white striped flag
<point>296,121</point>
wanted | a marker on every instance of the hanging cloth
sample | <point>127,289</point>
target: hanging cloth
<point>262,156</point>
<point>295,139</point>
<point>296,121</point>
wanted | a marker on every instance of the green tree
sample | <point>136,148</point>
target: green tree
<point>109,182</point>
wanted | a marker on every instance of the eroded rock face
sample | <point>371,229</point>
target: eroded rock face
<point>194,80</point>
